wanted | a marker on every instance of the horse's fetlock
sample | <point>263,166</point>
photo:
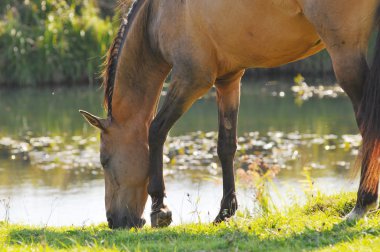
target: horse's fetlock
<point>155,192</point>
<point>229,202</point>
<point>367,199</point>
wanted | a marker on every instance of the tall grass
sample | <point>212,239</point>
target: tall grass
<point>51,41</point>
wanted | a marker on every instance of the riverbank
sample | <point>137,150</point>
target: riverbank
<point>316,226</point>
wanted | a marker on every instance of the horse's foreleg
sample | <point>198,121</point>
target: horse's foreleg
<point>228,99</point>
<point>182,93</point>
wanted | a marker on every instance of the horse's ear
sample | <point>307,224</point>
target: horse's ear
<point>95,121</point>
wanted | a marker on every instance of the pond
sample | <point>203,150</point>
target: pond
<point>50,172</point>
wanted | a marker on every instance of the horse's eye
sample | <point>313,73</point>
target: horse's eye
<point>104,160</point>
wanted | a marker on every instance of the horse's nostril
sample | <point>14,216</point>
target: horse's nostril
<point>110,222</point>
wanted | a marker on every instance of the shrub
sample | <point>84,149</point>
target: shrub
<point>51,41</point>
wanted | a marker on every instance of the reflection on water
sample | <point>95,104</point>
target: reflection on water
<point>55,112</point>
<point>59,193</point>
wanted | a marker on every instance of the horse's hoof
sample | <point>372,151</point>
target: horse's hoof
<point>359,213</point>
<point>227,210</point>
<point>161,217</point>
<point>219,219</point>
<point>224,215</point>
<point>356,214</point>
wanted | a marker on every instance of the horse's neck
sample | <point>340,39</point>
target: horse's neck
<point>138,82</point>
<point>139,74</point>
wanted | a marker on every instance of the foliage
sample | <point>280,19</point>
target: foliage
<point>316,226</point>
<point>51,41</point>
<point>57,41</point>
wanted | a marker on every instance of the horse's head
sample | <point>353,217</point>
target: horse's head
<point>124,157</point>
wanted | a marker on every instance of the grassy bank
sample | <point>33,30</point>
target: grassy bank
<point>316,226</point>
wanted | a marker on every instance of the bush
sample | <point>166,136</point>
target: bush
<point>51,41</point>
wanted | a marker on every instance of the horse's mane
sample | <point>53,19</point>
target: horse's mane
<point>110,64</point>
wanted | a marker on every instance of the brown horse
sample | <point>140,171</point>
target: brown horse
<point>207,43</point>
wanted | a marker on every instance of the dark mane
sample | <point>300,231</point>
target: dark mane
<point>110,64</point>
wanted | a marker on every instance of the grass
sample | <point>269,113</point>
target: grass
<point>316,226</point>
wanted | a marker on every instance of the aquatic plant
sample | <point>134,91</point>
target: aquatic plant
<point>258,156</point>
<point>303,92</point>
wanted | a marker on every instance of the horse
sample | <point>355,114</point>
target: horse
<point>207,43</point>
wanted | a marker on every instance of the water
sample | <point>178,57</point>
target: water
<point>60,195</point>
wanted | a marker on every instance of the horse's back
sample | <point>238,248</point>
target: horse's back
<point>253,33</point>
<point>262,33</point>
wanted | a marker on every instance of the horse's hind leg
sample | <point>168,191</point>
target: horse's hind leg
<point>351,71</point>
<point>228,98</point>
<point>346,34</point>
<point>186,87</point>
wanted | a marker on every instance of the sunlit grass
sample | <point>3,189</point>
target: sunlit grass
<point>316,226</point>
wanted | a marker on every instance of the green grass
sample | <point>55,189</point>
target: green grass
<point>316,226</point>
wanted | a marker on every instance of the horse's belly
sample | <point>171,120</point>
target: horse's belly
<point>277,51</point>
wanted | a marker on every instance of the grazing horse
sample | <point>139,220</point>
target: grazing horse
<point>206,43</point>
